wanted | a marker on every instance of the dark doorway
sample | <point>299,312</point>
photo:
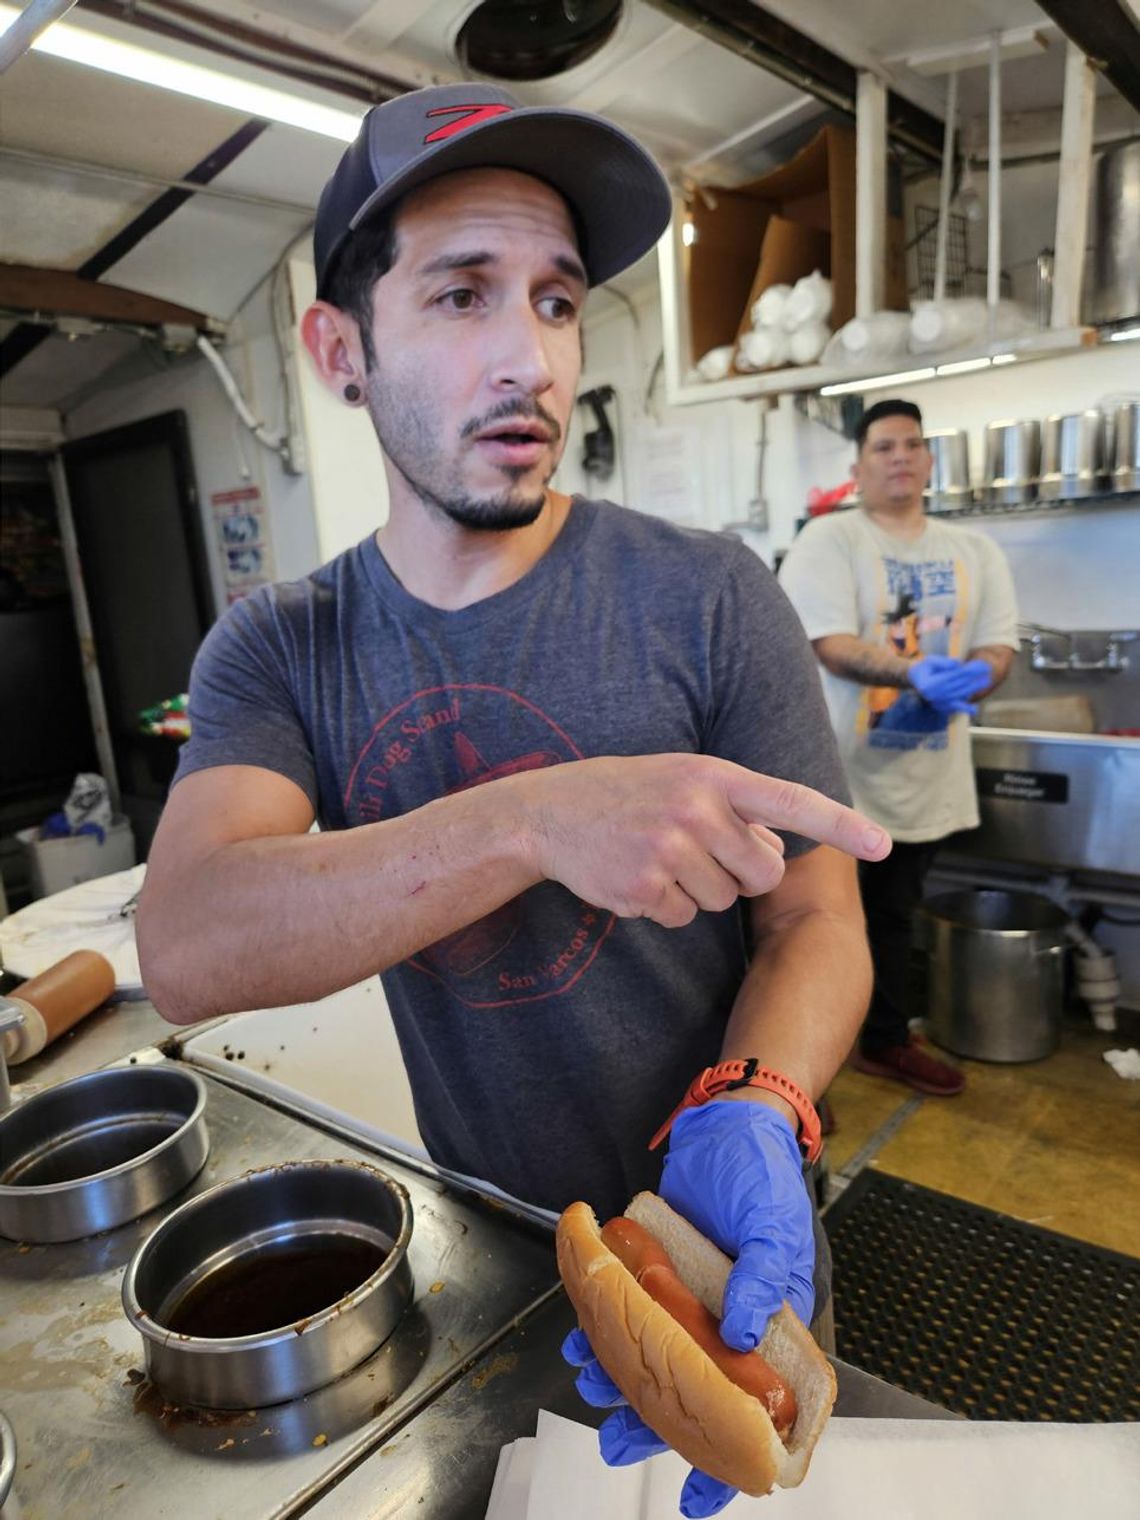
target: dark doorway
<point>47,732</point>
<point>143,558</point>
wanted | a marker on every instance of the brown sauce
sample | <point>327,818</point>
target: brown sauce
<point>271,1289</point>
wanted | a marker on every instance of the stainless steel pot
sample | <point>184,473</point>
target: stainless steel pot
<point>1072,456</point>
<point>273,1284</point>
<point>1126,447</point>
<point>950,470</point>
<point>97,1151</point>
<point>1012,462</point>
<point>995,973</point>
<point>1116,282</point>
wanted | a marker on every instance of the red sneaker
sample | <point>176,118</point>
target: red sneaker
<point>915,1064</point>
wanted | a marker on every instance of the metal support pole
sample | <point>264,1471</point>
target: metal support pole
<point>1074,176</point>
<point>870,194</point>
<point>32,20</point>
<point>87,654</point>
<point>993,170</point>
<point>944,187</point>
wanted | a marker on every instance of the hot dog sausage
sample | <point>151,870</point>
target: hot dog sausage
<point>634,1246</point>
<point>649,1262</point>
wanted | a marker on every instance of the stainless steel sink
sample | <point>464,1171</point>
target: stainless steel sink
<point>1064,801</point>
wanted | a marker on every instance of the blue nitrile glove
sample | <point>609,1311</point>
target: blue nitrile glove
<point>625,1438</point>
<point>734,1170</point>
<point>946,683</point>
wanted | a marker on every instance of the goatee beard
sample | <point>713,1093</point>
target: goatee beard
<point>483,514</point>
<point>498,515</point>
<point>409,448</point>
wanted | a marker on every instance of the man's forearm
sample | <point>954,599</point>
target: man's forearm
<point>999,657</point>
<point>290,918</point>
<point>856,660</point>
<point>800,1006</point>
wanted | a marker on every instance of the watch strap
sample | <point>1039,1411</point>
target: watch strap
<point>730,1075</point>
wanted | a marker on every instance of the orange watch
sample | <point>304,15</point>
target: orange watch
<point>730,1075</point>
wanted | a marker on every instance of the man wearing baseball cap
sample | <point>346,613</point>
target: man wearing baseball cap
<point>570,762</point>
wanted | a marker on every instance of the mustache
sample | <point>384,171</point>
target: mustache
<point>514,406</point>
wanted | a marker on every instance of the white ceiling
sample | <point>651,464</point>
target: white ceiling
<point>682,95</point>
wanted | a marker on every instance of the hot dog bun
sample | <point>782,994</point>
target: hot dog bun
<point>666,1376</point>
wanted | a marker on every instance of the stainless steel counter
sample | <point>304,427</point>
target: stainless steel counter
<point>94,1439</point>
<point>101,1038</point>
<point>419,1424</point>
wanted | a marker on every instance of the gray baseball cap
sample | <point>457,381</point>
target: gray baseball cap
<point>617,192</point>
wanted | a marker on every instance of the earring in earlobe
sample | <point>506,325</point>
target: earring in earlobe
<point>352,393</point>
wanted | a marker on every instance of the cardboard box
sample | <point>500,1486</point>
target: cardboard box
<point>55,864</point>
<point>772,231</point>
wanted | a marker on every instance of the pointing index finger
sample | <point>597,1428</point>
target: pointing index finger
<point>787,805</point>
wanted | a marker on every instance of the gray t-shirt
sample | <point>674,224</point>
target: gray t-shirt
<point>545,1043</point>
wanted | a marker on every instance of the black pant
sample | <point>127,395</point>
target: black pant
<point>891,888</point>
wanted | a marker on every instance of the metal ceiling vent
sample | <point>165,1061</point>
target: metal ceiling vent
<point>534,39</point>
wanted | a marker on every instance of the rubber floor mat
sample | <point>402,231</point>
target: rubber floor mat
<point>993,1318</point>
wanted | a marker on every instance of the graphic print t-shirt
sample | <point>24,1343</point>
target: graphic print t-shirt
<point>947,592</point>
<point>547,1041</point>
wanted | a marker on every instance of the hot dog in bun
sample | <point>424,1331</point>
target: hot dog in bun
<point>649,1290</point>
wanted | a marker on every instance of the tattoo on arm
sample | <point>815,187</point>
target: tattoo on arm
<point>856,660</point>
<point>999,657</point>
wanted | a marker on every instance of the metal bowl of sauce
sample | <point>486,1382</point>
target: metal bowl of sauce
<point>273,1284</point>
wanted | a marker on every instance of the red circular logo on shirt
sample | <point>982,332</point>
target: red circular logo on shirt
<point>448,739</point>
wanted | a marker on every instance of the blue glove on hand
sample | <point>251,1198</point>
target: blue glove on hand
<point>945,683</point>
<point>733,1170</point>
<point>625,1438</point>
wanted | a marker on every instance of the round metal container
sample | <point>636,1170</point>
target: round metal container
<point>1116,281</point>
<point>1072,456</point>
<point>7,1457</point>
<point>1012,461</point>
<point>1126,447</point>
<point>950,470</point>
<point>273,1284</point>
<point>996,968</point>
<point>100,1150</point>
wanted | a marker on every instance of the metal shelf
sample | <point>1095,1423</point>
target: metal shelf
<point>1036,508</point>
<point>1048,343</point>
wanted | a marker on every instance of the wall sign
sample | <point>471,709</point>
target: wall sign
<point>1023,786</point>
<point>243,539</point>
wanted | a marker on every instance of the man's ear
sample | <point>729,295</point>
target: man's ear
<point>333,339</point>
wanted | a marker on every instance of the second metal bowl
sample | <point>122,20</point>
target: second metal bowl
<point>97,1151</point>
<point>273,1284</point>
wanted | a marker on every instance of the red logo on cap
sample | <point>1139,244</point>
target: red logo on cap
<point>471,117</point>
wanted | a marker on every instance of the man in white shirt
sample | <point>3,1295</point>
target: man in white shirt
<point>912,618</point>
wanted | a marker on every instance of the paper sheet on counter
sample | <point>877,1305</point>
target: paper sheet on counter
<point>862,1470</point>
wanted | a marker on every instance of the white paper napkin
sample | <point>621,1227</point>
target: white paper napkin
<point>861,1470</point>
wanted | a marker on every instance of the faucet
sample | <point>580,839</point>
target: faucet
<point>1038,659</point>
<point>1112,661</point>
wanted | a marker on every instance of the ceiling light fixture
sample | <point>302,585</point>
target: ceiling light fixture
<point>962,366</point>
<point>877,382</point>
<point>97,51</point>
